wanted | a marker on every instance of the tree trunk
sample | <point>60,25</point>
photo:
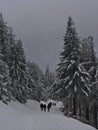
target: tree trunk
<point>95,116</point>
<point>87,113</point>
<point>79,107</point>
<point>74,105</point>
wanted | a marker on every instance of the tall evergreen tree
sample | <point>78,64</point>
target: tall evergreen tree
<point>5,81</point>
<point>47,76</point>
<point>3,37</point>
<point>73,78</point>
<point>89,61</point>
<point>49,79</point>
<point>35,81</point>
<point>17,66</point>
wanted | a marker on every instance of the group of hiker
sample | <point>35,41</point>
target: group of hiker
<point>46,106</point>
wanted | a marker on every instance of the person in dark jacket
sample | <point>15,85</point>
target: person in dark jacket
<point>49,106</point>
<point>44,106</point>
<point>41,107</point>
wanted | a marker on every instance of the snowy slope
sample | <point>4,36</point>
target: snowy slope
<point>16,116</point>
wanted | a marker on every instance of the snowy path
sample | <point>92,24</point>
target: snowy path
<point>29,117</point>
<point>53,122</point>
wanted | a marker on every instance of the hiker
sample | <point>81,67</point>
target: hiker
<point>54,104</point>
<point>44,106</point>
<point>41,106</point>
<point>49,106</point>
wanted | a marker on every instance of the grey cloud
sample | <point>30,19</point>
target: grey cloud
<point>41,24</point>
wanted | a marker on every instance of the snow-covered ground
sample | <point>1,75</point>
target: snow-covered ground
<point>16,116</point>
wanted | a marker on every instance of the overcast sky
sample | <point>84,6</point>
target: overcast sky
<point>41,25</point>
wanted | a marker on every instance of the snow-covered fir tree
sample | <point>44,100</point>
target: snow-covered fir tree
<point>35,81</point>
<point>17,69</point>
<point>73,78</point>
<point>23,84</point>
<point>49,80</point>
<point>89,61</point>
<point>4,37</point>
<point>5,81</point>
<point>88,56</point>
<point>47,76</point>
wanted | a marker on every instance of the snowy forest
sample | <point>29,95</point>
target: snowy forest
<point>75,81</point>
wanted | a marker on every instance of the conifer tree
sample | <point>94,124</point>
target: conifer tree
<point>5,81</point>
<point>3,37</point>
<point>89,61</point>
<point>49,78</point>
<point>73,78</point>
<point>35,79</point>
<point>17,68</point>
